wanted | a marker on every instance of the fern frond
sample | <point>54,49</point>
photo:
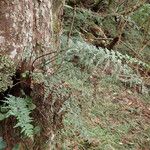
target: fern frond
<point>92,57</point>
<point>19,108</point>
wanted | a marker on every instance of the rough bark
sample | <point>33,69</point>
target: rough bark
<point>24,25</point>
<point>31,27</point>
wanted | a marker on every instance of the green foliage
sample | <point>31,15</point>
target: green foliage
<point>2,144</point>
<point>141,16</point>
<point>91,58</point>
<point>7,70</point>
<point>21,109</point>
<point>113,124</point>
<point>82,18</point>
<point>133,34</point>
<point>106,122</point>
<point>74,71</point>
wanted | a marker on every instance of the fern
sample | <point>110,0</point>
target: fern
<point>99,58</point>
<point>21,109</point>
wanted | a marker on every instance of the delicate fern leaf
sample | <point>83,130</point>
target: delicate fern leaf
<point>18,107</point>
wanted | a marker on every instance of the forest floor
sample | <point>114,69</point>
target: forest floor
<point>108,115</point>
<point>116,119</point>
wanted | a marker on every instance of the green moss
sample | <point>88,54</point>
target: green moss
<point>7,70</point>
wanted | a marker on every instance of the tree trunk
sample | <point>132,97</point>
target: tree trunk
<point>28,30</point>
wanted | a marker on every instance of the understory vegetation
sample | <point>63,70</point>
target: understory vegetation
<point>99,84</point>
<point>109,52</point>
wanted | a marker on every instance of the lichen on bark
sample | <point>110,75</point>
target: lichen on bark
<point>7,70</point>
<point>26,34</point>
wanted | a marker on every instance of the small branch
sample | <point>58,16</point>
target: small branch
<point>135,53</point>
<point>144,46</point>
<point>41,56</point>
<point>103,38</point>
<point>69,35</point>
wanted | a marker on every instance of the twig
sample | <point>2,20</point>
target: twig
<point>144,46</point>
<point>103,38</point>
<point>133,9</point>
<point>41,56</point>
<point>137,55</point>
<point>71,27</point>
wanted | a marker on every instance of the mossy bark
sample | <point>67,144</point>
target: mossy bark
<point>27,27</point>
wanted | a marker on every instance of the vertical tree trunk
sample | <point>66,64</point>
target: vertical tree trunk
<point>24,25</point>
<point>27,28</point>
